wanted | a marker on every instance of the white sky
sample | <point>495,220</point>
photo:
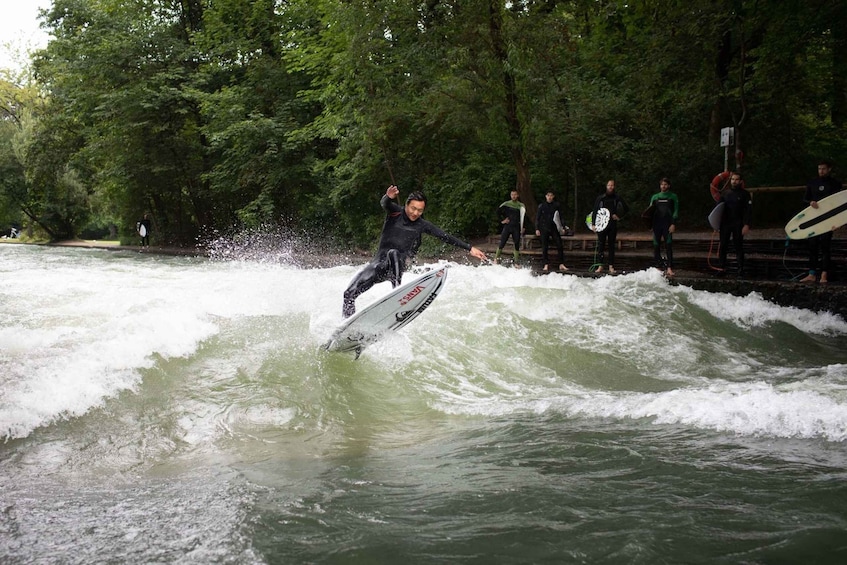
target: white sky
<point>19,31</point>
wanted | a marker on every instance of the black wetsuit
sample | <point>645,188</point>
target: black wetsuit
<point>818,189</point>
<point>737,213</point>
<point>548,221</point>
<point>514,212</point>
<point>616,206</point>
<point>665,214</point>
<point>145,239</point>
<point>400,240</point>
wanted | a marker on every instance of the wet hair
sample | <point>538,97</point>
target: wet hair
<point>416,195</point>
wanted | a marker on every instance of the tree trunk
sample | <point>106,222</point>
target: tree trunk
<point>513,122</point>
<point>839,70</point>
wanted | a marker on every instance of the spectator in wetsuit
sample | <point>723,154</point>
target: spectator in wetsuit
<point>665,213</point>
<point>145,239</point>
<point>399,242</point>
<point>548,223</point>
<point>511,213</point>
<point>617,208</point>
<point>736,220</point>
<point>818,189</point>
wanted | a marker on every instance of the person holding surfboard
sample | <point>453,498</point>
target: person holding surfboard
<point>736,220</point>
<point>143,227</point>
<point>511,213</point>
<point>548,223</point>
<point>665,207</point>
<point>399,242</point>
<point>611,201</point>
<point>817,189</point>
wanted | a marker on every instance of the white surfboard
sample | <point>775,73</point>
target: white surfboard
<point>389,314</point>
<point>142,230</point>
<point>601,221</point>
<point>830,214</point>
<point>716,216</point>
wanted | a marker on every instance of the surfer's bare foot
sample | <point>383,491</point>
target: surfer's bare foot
<point>669,272</point>
<point>599,269</point>
<point>808,278</point>
<point>612,270</point>
<point>546,268</point>
<point>824,278</point>
<point>562,268</point>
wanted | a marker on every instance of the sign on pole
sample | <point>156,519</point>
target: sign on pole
<point>727,137</point>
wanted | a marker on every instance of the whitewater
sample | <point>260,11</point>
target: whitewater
<point>161,408</point>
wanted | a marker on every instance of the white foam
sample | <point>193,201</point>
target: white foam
<point>756,409</point>
<point>82,328</point>
<point>753,311</point>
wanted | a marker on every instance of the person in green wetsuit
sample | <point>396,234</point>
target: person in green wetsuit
<point>665,213</point>
<point>511,213</point>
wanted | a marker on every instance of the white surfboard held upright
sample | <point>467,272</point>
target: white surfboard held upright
<point>390,313</point>
<point>830,214</point>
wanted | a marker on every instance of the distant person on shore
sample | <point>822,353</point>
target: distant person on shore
<point>511,214</point>
<point>736,220</point>
<point>144,233</point>
<point>612,201</point>
<point>665,213</point>
<point>399,242</point>
<point>548,223</point>
<point>817,189</point>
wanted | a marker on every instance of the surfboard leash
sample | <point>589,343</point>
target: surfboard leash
<point>785,266</point>
<point>709,255</point>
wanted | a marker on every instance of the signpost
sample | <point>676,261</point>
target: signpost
<point>727,139</point>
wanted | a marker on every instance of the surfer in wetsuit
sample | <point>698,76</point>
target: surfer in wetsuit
<point>735,221</point>
<point>511,213</point>
<point>665,213</point>
<point>818,189</point>
<point>399,242</point>
<point>617,208</point>
<point>145,223</point>
<point>548,224</point>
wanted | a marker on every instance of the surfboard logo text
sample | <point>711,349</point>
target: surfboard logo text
<point>411,294</point>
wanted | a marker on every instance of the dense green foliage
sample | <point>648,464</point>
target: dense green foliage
<point>220,115</point>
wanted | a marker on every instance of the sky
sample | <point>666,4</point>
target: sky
<point>19,31</point>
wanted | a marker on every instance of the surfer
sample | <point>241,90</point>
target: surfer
<point>817,189</point>
<point>617,208</point>
<point>511,213</point>
<point>144,233</point>
<point>736,220</point>
<point>548,221</point>
<point>399,242</point>
<point>665,213</point>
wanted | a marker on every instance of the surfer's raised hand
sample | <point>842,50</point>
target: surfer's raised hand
<point>478,254</point>
<point>392,192</point>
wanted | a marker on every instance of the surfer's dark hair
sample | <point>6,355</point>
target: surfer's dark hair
<point>416,195</point>
<point>827,162</point>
